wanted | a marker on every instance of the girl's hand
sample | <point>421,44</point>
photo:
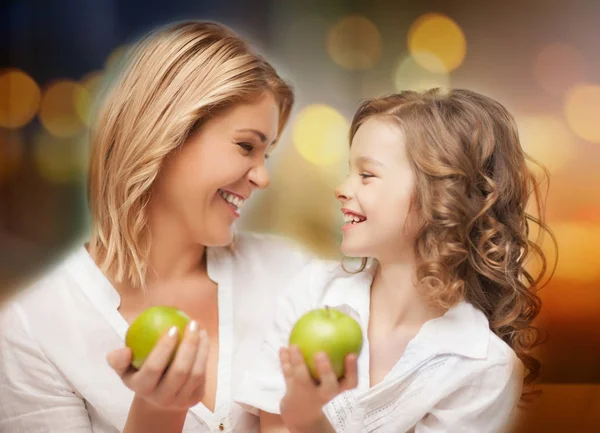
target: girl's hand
<point>303,402</point>
<point>178,387</point>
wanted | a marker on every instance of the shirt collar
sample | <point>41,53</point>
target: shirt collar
<point>462,330</point>
<point>100,289</point>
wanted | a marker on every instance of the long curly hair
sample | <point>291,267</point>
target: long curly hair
<point>472,191</point>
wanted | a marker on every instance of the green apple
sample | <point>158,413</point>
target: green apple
<point>149,327</point>
<point>330,331</point>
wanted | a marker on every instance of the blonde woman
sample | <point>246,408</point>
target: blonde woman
<point>180,144</point>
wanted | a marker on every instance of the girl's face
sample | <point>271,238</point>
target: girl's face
<point>203,185</point>
<point>377,193</point>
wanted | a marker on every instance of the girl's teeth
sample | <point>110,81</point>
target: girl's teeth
<point>352,219</point>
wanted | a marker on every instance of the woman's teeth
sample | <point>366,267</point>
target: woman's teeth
<point>353,219</point>
<point>232,199</point>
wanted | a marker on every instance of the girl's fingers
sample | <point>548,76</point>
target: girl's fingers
<point>328,388</point>
<point>350,379</point>
<point>300,371</point>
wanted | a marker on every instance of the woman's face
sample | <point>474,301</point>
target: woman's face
<point>202,186</point>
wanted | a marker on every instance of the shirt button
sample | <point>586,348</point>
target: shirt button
<point>221,426</point>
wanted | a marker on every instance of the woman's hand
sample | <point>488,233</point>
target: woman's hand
<point>178,387</point>
<point>302,405</point>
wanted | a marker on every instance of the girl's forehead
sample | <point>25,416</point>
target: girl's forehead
<point>378,136</point>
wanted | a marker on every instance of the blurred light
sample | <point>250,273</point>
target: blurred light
<point>60,160</point>
<point>19,98</point>
<point>302,40</point>
<point>84,101</point>
<point>582,110</point>
<point>304,206</point>
<point>115,58</point>
<point>354,43</point>
<point>437,36</point>
<point>548,140</point>
<point>11,153</point>
<point>58,111</point>
<point>557,67</point>
<point>376,88</point>
<point>579,260</point>
<point>411,76</point>
<point>590,214</point>
<point>320,135</point>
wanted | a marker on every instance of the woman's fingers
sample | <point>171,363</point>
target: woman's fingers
<point>286,365</point>
<point>146,379</point>
<point>120,360</point>
<point>193,388</point>
<point>180,369</point>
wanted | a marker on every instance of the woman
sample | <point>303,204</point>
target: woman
<point>179,145</point>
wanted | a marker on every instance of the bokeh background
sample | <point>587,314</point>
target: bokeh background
<point>538,57</point>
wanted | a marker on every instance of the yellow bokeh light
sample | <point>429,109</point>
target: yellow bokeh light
<point>354,43</point>
<point>320,135</point>
<point>58,111</point>
<point>582,111</point>
<point>557,67</point>
<point>11,153</point>
<point>547,140</point>
<point>437,36</point>
<point>409,75</point>
<point>60,160</point>
<point>19,98</point>
<point>84,101</point>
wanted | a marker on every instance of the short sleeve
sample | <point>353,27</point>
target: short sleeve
<point>263,384</point>
<point>34,397</point>
<point>488,404</point>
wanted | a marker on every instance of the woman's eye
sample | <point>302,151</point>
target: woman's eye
<point>248,147</point>
<point>366,175</point>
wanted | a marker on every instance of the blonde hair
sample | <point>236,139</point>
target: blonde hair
<point>174,79</point>
<point>471,194</point>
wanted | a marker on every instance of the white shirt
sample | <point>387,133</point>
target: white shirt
<point>455,376</point>
<point>54,339</point>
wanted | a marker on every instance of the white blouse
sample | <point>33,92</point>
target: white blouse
<point>455,376</point>
<point>54,339</point>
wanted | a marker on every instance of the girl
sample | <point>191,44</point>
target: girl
<point>179,146</point>
<point>436,198</point>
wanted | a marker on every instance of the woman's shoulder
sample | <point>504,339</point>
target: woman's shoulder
<point>258,251</point>
<point>52,288</point>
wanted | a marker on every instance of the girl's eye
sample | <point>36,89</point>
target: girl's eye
<point>366,175</point>
<point>248,147</point>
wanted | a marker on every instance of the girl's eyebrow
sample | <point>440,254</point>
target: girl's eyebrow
<point>369,160</point>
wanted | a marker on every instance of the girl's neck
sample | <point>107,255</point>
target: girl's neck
<point>396,300</point>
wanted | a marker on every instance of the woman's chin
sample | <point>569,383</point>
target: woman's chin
<point>219,237</point>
